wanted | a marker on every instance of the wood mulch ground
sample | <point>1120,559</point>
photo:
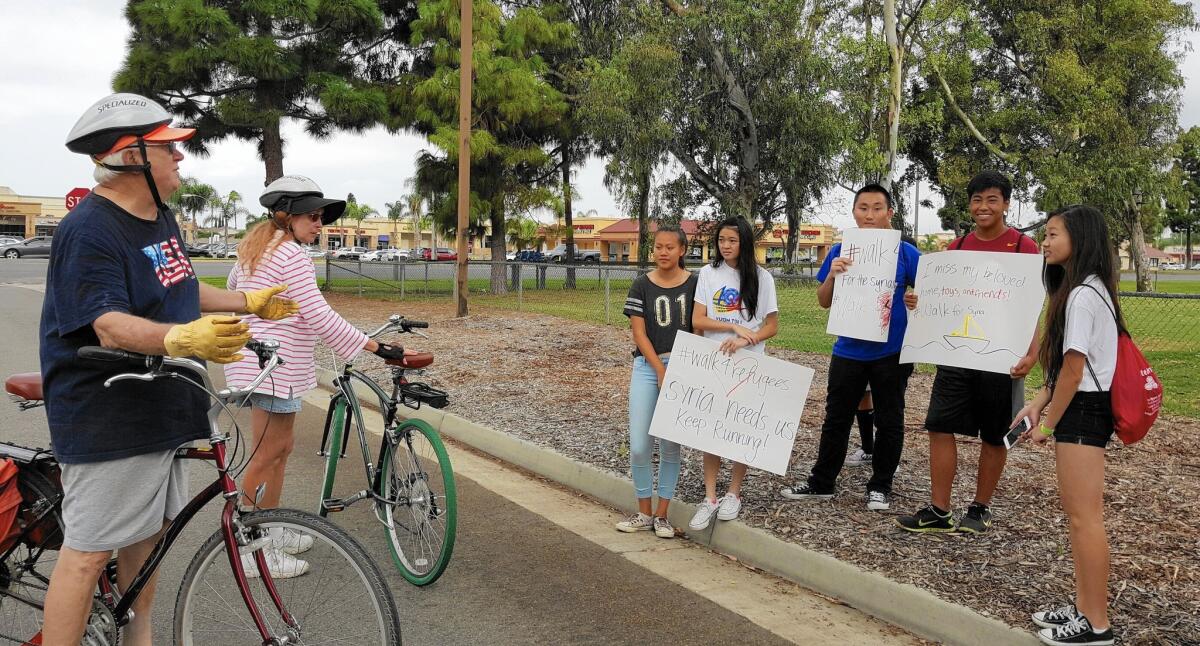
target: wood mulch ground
<point>563,384</point>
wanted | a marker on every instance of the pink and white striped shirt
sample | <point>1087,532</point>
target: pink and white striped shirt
<point>297,335</point>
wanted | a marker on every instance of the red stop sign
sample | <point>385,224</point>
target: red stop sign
<point>75,196</point>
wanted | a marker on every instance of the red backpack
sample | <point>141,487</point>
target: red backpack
<point>1136,392</point>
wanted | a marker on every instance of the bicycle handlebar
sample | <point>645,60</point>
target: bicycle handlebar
<point>397,323</point>
<point>266,351</point>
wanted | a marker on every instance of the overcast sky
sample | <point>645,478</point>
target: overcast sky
<point>60,56</point>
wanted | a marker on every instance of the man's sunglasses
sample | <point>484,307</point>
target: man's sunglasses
<point>171,146</point>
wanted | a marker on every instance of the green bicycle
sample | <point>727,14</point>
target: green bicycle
<point>412,482</point>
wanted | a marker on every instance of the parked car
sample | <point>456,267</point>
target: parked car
<point>37,246</point>
<point>230,251</point>
<point>385,255</point>
<point>349,253</point>
<point>193,250</point>
<point>1172,266</point>
<point>1196,266</point>
<point>442,254</point>
<point>558,253</point>
<point>7,240</point>
<point>510,256</point>
<point>313,252</point>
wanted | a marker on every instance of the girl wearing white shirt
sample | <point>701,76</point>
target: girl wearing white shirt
<point>1079,357</point>
<point>736,305</point>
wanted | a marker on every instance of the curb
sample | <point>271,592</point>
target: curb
<point>900,604</point>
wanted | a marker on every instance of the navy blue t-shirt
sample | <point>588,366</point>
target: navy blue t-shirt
<point>104,259</point>
<point>906,276</point>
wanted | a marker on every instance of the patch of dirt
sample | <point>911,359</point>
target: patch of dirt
<point>564,385</point>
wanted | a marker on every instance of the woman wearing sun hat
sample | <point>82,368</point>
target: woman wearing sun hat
<point>269,255</point>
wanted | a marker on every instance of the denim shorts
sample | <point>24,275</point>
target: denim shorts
<point>273,404</point>
<point>1088,420</point>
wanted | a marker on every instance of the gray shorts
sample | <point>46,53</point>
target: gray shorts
<point>112,504</point>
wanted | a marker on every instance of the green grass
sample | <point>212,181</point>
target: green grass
<point>1167,330</point>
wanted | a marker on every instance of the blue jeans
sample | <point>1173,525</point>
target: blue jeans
<point>643,393</point>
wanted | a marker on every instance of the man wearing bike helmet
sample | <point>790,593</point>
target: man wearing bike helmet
<point>118,277</point>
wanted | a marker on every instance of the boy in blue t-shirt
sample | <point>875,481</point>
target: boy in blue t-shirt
<point>856,363</point>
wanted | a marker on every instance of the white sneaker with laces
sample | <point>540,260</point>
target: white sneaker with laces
<point>280,564</point>
<point>290,541</point>
<point>730,506</point>
<point>704,514</point>
<point>638,522</point>
<point>858,458</point>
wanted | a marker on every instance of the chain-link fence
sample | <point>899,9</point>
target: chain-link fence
<point>1165,326</point>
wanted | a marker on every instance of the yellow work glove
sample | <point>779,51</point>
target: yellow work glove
<point>266,305</point>
<point>213,338</point>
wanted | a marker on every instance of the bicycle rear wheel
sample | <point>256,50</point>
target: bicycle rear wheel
<point>415,472</point>
<point>341,599</point>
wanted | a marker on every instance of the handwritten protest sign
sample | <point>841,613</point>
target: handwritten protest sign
<point>745,408</point>
<point>974,309</point>
<point>862,295</point>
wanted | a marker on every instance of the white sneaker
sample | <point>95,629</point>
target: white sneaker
<point>858,458</point>
<point>663,528</point>
<point>638,522</point>
<point>281,565</point>
<point>704,514</point>
<point>290,541</point>
<point>730,506</point>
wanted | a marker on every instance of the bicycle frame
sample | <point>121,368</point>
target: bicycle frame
<point>235,535</point>
<point>345,389</point>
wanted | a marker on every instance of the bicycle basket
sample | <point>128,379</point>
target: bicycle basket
<point>422,394</point>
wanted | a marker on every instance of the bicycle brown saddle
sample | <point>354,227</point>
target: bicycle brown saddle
<point>419,360</point>
<point>27,385</point>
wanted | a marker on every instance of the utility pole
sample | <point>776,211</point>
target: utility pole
<point>466,39</point>
<point>917,213</point>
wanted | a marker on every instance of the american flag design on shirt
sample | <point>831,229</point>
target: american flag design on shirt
<point>171,265</point>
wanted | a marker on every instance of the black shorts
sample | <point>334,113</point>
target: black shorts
<point>975,403</point>
<point>1087,420</point>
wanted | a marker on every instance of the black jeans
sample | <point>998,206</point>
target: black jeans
<point>848,378</point>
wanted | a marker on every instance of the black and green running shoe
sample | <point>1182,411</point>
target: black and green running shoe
<point>927,519</point>
<point>977,520</point>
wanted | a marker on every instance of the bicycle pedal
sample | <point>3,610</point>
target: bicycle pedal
<point>333,504</point>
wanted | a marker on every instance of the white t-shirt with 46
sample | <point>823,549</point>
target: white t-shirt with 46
<point>719,289</point>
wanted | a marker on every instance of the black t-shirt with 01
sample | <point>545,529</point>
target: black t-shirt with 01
<point>666,310</point>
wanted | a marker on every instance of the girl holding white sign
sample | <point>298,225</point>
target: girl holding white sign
<point>1079,357</point>
<point>658,306</point>
<point>736,305</point>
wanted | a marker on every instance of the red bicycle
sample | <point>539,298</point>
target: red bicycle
<point>340,598</point>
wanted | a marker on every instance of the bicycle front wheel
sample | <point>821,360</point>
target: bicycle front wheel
<point>421,512</point>
<point>335,594</point>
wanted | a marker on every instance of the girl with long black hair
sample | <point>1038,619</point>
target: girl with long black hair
<point>735,305</point>
<point>1079,356</point>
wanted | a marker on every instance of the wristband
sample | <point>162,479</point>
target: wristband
<point>1047,431</point>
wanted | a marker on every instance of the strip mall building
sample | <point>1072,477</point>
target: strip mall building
<point>617,239</point>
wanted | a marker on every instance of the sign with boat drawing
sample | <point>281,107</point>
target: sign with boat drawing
<point>975,309</point>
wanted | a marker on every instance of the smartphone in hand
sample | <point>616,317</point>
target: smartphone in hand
<point>1014,434</point>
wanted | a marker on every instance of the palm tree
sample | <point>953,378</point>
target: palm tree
<point>224,209</point>
<point>192,196</point>
<point>357,212</point>
<point>395,211</point>
<point>522,232</point>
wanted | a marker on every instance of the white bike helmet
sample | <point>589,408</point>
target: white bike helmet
<point>294,194</point>
<point>121,120</point>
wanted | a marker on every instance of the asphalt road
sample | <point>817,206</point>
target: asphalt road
<point>515,577</point>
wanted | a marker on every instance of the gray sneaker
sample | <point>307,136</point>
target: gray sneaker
<point>638,522</point>
<point>663,528</point>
